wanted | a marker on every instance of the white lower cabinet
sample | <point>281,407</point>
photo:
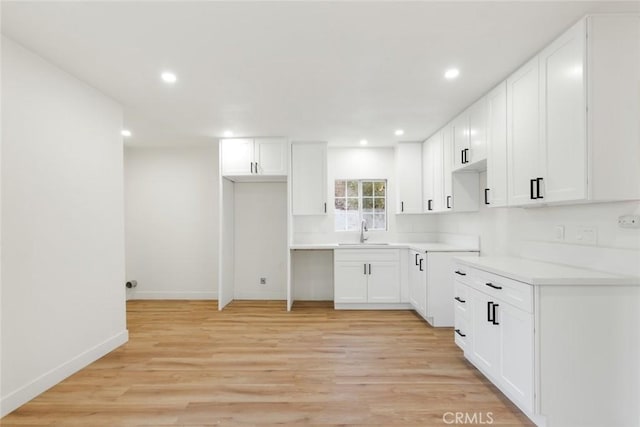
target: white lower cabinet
<point>417,282</point>
<point>564,348</point>
<point>366,276</point>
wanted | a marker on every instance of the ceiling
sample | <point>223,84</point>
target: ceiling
<point>337,72</point>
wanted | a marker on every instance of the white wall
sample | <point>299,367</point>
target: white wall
<point>171,217</point>
<point>363,163</point>
<point>260,239</point>
<point>63,298</point>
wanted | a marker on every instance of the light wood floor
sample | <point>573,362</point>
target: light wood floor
<point>253,363</point>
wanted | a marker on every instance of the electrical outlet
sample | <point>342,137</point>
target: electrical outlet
<point>587,236</point>
<point>629,221</point>
<point>558,233</point>
<point>263,280</point>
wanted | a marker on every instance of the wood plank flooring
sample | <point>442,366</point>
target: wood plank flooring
<point>255,364</point>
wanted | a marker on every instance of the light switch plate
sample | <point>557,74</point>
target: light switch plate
<point>558,233</point>
<point>586,236</point>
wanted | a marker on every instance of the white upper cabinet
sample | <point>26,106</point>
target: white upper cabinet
<point>432,174</point>
<point>270,156</point>
<point>245,159</point>
<point>237,156</point>
<point>573,133</point>
<point>309,178</point>
<point>496,191</point>
<point>477,133</point>
<point>447,166</point>
<point>523,133</point>
<point>460,135</point>
<point>409,173</point>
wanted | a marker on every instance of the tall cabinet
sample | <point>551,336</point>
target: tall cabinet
<point>309,178</point>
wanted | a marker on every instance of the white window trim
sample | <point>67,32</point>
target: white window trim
<point>361,204</point>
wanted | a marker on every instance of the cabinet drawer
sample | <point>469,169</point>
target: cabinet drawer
<point>366,255</point>
<point>460,300</point>
<point>461,332</point>
<point>511,291</point>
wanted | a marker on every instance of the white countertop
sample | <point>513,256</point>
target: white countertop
<point>544,273</point>
<point>417,246</point>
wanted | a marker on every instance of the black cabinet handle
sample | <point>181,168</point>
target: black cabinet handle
<point>486,196</point>
<point>401,206</point>
<point>429,207</point>
<point>365,268</point>
<point>462,157</point>
<point>489,319</point>
<point>460,273</point>
<point>491,285</point>
<point>460,300</point>
<point>421,259</point>
<point>531,187</point>
<point>538,195</point>
<point>251,167</point>
<point>369,269</point>
<point>448,202</point>
<point>325,207</point>
<point>493,310</point>
<point>460,333</point>
<point>417,255</point>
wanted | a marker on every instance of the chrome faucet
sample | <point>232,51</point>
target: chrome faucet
<point>363,228</point>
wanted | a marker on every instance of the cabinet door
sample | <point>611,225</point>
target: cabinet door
<point>428,175</point>
<point>478,131</point>
<point>563,95</point>
<point>384,282</point>
<point>414,280</point>
<point>516,353</point>
<point>309,178</point>
<point>409,172</point>
<point>497,147</point>
<point>350,282</point>
<point>447,168</point>
<point>523,132</point>
<point>485,345</point>
<point>236,156</point>
<point>460,133</point>
<point>271,156</point>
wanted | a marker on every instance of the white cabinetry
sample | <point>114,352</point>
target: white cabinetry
<point>495,195</point>
<point>563,344</point>
<point>409,173</point>
<point>460,138</point>
<point>572,131</point>
<point>249,159</point>
<point>432,164</point>
<point>366,276</point>
<point>417,282</point>
<point>477,133</point>
<point>309,178</point>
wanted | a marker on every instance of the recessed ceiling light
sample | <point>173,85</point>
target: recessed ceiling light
<point>451,73</point>
<point>126,133</point>
<point>399,132</point>
<point>363,142</point>
<point>228,133</point>
<point>168,77</point>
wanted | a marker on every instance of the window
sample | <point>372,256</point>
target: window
<point>356,200</point>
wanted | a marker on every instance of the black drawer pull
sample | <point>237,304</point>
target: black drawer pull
<point>421,259</point>
<point>460,333</point>
<point>417,255</point>
<point>461,273</point>
<point>491,285</point>
<point>489,304</point>
<point>460,300</point>
<point>494,314</point>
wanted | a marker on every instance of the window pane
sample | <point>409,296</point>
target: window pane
<point>367,188</point>
<point>352,188</point>
<point>379,188</point>
<point>367,203</point>
<point>340,187</point>
<point>340,204</point>
<point>379,203</point>
<point>353,220</point>
<point>352,204</point>
<point>379,222</point>
<point>369,218</point>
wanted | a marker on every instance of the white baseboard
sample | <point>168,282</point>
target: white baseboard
<point>372,306</point>
<point>19,397</point>
<point>168,295</point>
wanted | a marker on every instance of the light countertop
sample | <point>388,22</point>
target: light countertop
<point>544,273</point>
<point>417,246</point>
